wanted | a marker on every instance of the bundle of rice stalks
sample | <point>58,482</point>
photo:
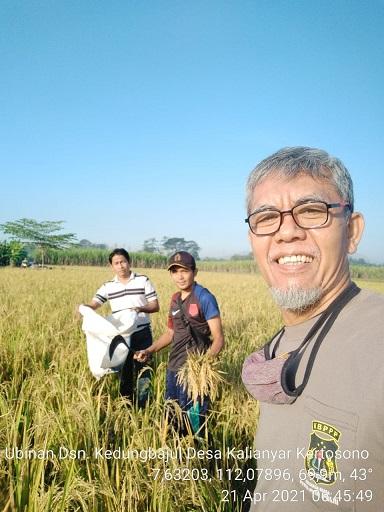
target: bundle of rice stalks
<point>200,376</point>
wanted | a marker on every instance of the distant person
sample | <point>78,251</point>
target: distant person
<point>128,290</point>
<point>320,380</point>
<point>194,323</point>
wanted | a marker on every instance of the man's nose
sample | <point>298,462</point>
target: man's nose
<point>289,230</point>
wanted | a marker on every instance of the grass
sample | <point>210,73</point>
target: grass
<point>52,408</point>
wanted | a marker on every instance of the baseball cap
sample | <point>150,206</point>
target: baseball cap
<point>182,259</point>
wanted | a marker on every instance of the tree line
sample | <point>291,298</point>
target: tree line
<point>47,244</point>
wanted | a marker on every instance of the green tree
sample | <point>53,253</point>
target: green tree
<point>193,248</point>
<point>43,235</point>
<point>240,257</point>
<point>151,245</point>
<point>17,252</point>
<point>86,243</point>
<point>12,253</point>
<point>5,254</point>
<point>174,244</point>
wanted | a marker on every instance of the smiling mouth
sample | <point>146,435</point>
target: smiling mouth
<point>294,259</point>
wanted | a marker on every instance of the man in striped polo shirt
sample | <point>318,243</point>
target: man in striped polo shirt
<point>128,290</point>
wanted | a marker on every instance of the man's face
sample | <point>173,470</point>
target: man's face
<point>299,258</point>
<point>183,277</point>
<point>120,266</point>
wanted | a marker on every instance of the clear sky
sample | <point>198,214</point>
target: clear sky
<point>134,119</point>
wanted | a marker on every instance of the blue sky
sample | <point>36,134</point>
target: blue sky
<point>135,119</point>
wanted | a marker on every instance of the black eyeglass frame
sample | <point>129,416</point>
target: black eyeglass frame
<point>328,206</point>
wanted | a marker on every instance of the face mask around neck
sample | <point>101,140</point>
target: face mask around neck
<point>269,378</point>
<point>262,378</point>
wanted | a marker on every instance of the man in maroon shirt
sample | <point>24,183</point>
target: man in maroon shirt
<point>194,323</point>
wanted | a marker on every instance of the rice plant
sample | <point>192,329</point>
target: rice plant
<point>70,443</point>
<point>200,376</point>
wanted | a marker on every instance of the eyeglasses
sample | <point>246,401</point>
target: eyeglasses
<point>307,216</point>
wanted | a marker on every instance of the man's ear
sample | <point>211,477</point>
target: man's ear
<point>195,272</point>
<point>355,230</point>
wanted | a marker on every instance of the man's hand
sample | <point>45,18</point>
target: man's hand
<point>150,307</point>
<point>93,305</point>
<point>77,313</point>
<point>142,356</point>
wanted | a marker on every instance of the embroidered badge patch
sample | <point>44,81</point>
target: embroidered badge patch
<point>320,461</point>
<point>193,310</point>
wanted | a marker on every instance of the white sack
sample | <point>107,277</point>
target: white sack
<point>100,332</point>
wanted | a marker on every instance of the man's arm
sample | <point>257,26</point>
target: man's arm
<point>150,307</point>
<point>217,335</point>
<point>165,339</point>
<point>93,304</point>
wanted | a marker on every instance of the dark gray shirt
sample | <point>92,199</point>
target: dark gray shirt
<point>331,440</point>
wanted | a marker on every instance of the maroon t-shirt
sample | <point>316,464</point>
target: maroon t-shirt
<point>198,307</point>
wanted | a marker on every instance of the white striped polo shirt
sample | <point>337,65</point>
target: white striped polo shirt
<point>136,292</point>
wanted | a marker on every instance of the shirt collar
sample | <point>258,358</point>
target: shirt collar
<point>132,276</point>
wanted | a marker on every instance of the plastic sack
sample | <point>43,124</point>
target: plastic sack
<point>100,331</point>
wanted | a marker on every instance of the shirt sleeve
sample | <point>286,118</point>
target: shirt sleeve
<point>149,290</point>
<point>174,300</point>
<point>170,317</point>
<point>101,296</point>
<point>208,304</point>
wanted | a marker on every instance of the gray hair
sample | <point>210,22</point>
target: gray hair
<point>291,162</point>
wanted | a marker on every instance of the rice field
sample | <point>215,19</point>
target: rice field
<point>69,442</point>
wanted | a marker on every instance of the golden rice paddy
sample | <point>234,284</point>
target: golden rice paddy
<point>69,442</point>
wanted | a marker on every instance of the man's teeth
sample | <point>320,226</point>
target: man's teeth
<point>294,259</point>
